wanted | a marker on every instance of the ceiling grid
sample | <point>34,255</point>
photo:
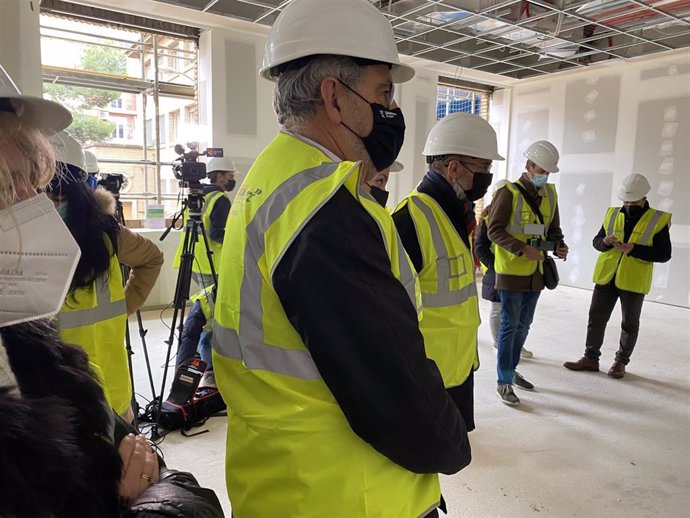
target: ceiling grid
<point>513,38</point>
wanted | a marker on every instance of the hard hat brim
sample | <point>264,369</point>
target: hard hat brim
<point>400,72</point>
<point>47,116</point>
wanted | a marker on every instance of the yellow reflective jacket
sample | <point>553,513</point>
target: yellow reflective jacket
<point>290,448</point>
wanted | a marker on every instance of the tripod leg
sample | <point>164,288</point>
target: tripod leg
<point>209,253</point>
<point>184,277</point>
<point>142,335</point>
<point>130,353</point>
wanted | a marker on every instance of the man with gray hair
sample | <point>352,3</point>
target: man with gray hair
<point>333,408</point>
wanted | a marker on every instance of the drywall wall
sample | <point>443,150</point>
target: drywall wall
<point>608,122</point>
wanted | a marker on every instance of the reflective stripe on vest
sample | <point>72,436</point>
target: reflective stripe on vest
<point>515,227</point>
<point>91,320</point>
<point>631,274</point>
<point>104,310</point>
<point>251,349</point>
<point>443,296</point>
<point>285,427</point>
<point>507,263</point>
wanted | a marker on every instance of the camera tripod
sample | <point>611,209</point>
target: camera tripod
<point>120,216</point>
<point>194,228</point>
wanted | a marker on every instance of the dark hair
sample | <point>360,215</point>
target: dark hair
<point>87,223</point>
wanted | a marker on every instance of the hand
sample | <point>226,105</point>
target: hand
<point>139,467</point>
<point>562,251</point>
<point>532,253</point>
<point>626,248</point>
<point>610,240</point>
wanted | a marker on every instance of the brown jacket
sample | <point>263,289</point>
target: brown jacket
<point>141,254</point>
<point>499,219</point>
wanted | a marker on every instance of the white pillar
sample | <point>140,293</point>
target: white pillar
<point>20,44</point>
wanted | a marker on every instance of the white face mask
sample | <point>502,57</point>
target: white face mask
<point>38,256</point>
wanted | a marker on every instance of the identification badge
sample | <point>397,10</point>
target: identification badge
<point>534,229</point>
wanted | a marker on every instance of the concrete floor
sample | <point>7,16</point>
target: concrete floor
<point>581,445</point>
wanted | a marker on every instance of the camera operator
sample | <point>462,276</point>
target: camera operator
<point>221,173</point>
<point>513,225</point>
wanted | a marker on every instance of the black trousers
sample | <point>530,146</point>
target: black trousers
<point>603,301</point>
<point>463,397</point>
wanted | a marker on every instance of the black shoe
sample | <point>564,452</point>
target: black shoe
<point>521,382</point>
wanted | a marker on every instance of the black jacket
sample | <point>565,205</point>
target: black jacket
<point>482,247</point>
<point>219,214</point>
<point>460,213</point>
<point>336,287</point>
<point>58,440</point>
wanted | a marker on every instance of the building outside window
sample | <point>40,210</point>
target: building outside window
<point>130,126</point>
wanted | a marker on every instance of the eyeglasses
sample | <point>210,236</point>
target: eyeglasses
<point>486,168</point>
<point>388,95</point>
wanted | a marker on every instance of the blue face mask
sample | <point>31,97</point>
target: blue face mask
<point>62,210</point>
<point>539,180</point>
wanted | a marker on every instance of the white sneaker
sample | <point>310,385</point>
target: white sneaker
<point>524,353</point>
<point>208,380</point>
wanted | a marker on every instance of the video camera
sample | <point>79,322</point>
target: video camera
<point>112,182</point>
<point>187,167</point>
<point>544,245</point>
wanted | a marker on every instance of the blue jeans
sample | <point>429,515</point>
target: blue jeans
<point>517,311</point>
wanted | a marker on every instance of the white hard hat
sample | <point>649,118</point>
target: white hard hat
<point>353,28</point>
<point>544,154</point>
<point>220,164</point>
<point>91,162</point>
<point>47,116</point>
<point>396,167</point>
<point>633,188</point>
<point>68,150</point>
<point>462,134</point>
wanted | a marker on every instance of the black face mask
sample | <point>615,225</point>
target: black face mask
<point>379,195</point>
<point>633,210</point>
<point>386,138</point>
<point>230,185</point>
<point>480,185</point>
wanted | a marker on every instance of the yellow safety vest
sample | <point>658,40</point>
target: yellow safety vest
<point>208,305</point>
<point>450,314</point>
<point>522,214</point>
<point>290,450</point>
<point>201,264</point>
<point>632,274</point>
<point>94,318</point>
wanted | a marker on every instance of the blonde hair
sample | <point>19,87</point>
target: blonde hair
<point>37,165</point>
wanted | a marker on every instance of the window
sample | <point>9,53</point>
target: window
<point>162,128</point>
<point>119,131</point>
<point>149,133</point>
<point>174,125</point>
<point>116,119</point>
<point>451,99</point>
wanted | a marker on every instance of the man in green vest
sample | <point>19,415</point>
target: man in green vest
<point>435,223</point>
<point>214,213</point>
<point>631,239</point>
<point>523,224</point>
<point>333,407</point>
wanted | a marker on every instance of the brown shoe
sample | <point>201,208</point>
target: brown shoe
<point>617,370</point>
<point>583,364</point>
